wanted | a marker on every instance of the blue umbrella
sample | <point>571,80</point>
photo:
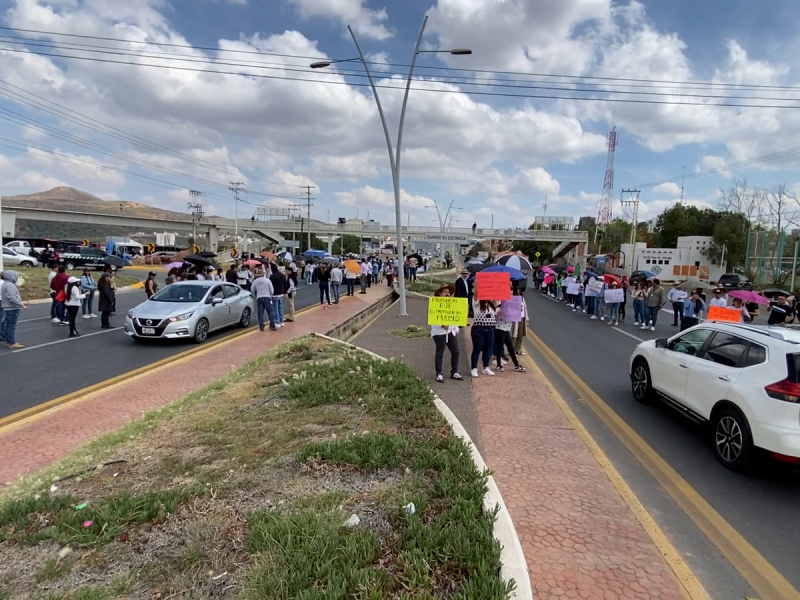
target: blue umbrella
<point>515,274</point>
<point>315,253</point>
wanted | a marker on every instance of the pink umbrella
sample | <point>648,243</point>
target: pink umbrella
<point>174,265</point>
<point>252,263</point>
<point>548,270</point>
<point>570,269</point>
<point>749,296</point>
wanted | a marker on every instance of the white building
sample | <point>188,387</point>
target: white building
<point>687,261</point>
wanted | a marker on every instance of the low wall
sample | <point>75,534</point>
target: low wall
<point>353,325</point>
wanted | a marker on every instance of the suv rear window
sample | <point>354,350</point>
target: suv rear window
<point>735,278</point>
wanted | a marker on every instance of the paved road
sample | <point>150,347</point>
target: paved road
<point>51,364</point>
<point>762,506</point>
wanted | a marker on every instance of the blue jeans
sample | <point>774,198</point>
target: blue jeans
<point>482,342</point>
<point>579,301</point>
<point>613,311</point>
<point>308,274</point>
<point>277,309</point>
<point>590,305</point>
<point>86,306</point>
<point>61,311</point>
<point>2,324</point>
<point>53,312</point>
<point>638,311</point>
<point>12,316</point>
<point>335,291</point>
<point>651,314</point>
<point>599,307</point>
<point>265,306</point>
<point>351,286</point>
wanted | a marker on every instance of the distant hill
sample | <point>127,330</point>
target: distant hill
<point>67,198</point>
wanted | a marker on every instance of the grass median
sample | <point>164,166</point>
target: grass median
<point>313,472</point>
<point>37,287</point>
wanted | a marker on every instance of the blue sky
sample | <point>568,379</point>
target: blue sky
<point>495,157</point>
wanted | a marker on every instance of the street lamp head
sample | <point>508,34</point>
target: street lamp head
<point>321,64</point>
<point>460,51</point>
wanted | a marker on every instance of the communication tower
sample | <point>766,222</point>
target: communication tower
<point>604,205</point>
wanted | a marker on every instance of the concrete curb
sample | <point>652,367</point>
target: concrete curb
<point>123,290</point>
<point>513,563</point>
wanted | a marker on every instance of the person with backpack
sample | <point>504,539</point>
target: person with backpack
<point>58,285</point>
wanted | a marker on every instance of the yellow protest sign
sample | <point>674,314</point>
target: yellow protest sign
<point>447,311</point>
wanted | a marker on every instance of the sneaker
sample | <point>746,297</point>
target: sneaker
<point>56,321</point>
<point>574,310</point>
<point>456,376</point>
<point>94,316</point>
<point>652,328</point>
<point>643,327</point>
<point>616,323</point>
<point>14,346</point>
<point>63,322</point>
<point>439,377</point>
<point>610,322</point>
<point>520,369</point>
<point>503,360</point>
<point>602,318</point>
<point>488,371</point>
<point>86,317</point>
<point>636,323</point>
<point>500,368</point>
<point>474,372</point>
<point>593,317</point>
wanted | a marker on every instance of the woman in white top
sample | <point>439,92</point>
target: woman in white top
<point>502,337</point>
<point>73,303</point>
<point>482,334</point>
<point>445,336</point>
<point>738,304</point>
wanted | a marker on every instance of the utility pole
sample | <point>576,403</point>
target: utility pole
<point>236,187</point>
<point>633,202</point>
<point>196,205</point>
<point>308,205</point>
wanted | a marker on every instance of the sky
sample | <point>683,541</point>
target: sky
<point>523,121</point>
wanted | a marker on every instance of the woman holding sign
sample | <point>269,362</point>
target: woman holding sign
<point>613,298</point>
<point>482,334</point>
<point>445,336</point>
<point>509,313</point>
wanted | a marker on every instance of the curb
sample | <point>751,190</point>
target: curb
<point>512,559</point>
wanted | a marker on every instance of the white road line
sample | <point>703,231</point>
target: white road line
<point>36,319</point>
<point>630,335</point>
<point>86,335</point>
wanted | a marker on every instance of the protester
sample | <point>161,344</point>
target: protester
<point>738,305</point>
<point>613,307</point>
<point>58,286</point>
<point>653,302</point>
<point>53,304</point>
<point>638,295</point>
<point>502,339</point>
<point>262,291</point>
<point>625,285</point>
<point>445,336</point>
<point>718,299</point>
<point>676,297</point>
<point>291,291</point>
<point>88,287</point>
<point>350,281</point>
<point>11,303</point>
<point>482,334</point>
<point>389,271</point>
<point>324,279</point>
<point>73,302</point>
<point>693,308</point>
<point>107,301</point>
<point>366,271</point>
<point>244,277</point>
<point>336,281</point>
<point>231,276</point>
<point>520,329</point>
<point>150,285</point>
<point>780,313</point>
<point>279,286</point>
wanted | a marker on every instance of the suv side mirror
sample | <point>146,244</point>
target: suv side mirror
<point>661,343</point>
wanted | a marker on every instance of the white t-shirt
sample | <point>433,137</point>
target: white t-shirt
<point>443,330</point>
<point>721,302</point>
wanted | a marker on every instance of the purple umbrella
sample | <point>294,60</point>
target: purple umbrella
<point>749,296</point>
<point>175,265</point>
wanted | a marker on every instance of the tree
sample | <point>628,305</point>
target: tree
<point>729,239</point>
<point>347,244</point>
<point>682,220</point>
<point>316,243</point>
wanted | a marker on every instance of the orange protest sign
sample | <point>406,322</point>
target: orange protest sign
<point>493,286</point>
<point>717,313</point>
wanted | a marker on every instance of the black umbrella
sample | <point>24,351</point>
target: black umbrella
<point>207,254</point>
<point>474,268</point>
<point>116,261</point>
<point>772,292</point>
<point>198,261</point>
<point>417,257</point>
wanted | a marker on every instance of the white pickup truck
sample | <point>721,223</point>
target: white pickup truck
<point>21,247</point>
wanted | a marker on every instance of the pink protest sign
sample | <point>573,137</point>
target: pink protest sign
<point>511,310</point>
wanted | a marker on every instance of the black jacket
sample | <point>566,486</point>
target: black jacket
<point>279,283</point>
<point>107,296</point>
<point>462,289</point>
<point>231,276</point>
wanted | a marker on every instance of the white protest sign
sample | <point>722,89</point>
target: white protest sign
<point>595,286</point>
<point>614,296</point>
<point>574,289</point>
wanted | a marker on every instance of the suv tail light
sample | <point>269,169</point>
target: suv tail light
<point>785,390</point>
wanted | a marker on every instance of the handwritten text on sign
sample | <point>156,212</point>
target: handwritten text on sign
<point>447,311</point>
<point>594,287</point>
<point>511,310</point>
<point>614,296</point>
<point>717,313</point>
<point>493,286</point>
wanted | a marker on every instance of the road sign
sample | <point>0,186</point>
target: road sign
<point>538,254</point>
<point>234,253</point>
<point>151,248</point>
<point>85,243</point>
<point>447,238</point>
<point>195,249</point>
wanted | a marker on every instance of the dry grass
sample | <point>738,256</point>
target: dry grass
<point>241,491</point>
<point>36,286</point>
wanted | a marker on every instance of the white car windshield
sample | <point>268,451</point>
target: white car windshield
<point>181,293</point>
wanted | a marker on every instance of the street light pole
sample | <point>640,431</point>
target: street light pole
<point>394,155</point>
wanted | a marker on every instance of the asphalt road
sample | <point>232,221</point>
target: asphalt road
<point>51,364</point>
<point>762,506</point>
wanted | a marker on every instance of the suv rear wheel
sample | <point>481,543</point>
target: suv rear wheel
<point>641,384</point>
<point>733,443</point>
<point>69,266</point>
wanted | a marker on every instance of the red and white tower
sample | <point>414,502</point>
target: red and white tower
<point>604,205</point>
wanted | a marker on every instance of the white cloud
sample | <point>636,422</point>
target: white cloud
<point>667,189</point>
<point>363,20</point>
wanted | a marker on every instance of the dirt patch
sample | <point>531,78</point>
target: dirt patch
<point>311,468</point>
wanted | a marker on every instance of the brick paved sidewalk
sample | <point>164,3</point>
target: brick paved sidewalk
<point>579,537</point>
<point>36,443</point>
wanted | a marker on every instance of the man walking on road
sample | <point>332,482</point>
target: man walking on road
<point>336,281</point>
<point>676,297</point>
<point>262,291</point>
<point>11,303</point>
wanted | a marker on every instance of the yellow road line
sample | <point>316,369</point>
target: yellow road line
<point>759,573</point>
<point>34,413</point>
<point>688,580</point>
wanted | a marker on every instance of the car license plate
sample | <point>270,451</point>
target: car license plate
<point>148,330</point>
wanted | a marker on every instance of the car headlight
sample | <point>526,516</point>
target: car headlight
<point>130,315</point>
<point>182,317</point>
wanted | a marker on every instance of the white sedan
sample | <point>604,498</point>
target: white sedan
<point>12,258</point>
<point>743,380</point>
<point>190,310</point>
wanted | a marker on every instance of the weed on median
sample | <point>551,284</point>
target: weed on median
<point>313,472</point>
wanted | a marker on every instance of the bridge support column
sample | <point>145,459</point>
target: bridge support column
<point>330,244</point>
<point>213,238</point>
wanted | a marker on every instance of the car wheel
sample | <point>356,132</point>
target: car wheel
<point>641,384</point>
<point>70,266</point>
<point>733,443</point>
<point>201,331</point>
<point>244,322</point>
<point>26,263</point>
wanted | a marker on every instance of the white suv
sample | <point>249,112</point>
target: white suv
<point>742,379</point>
